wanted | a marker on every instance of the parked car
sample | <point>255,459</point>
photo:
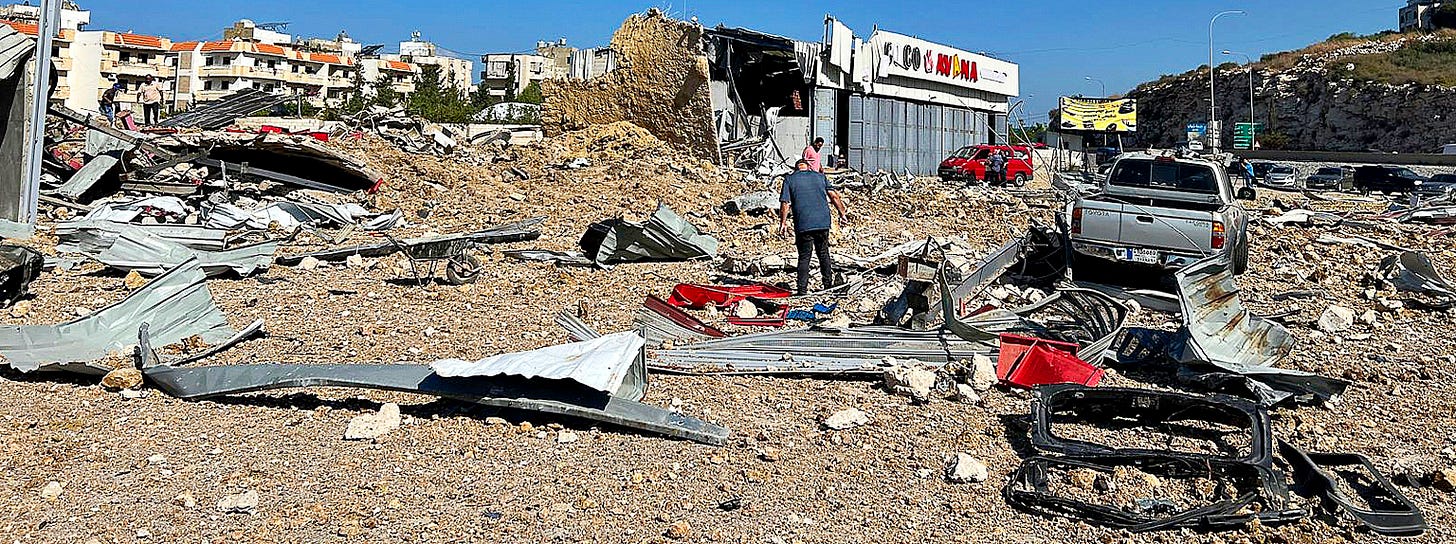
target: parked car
<point>1162,211</point>
<point>1439,185</point>
<point>1386,179</point>
<point>1280,176</point>
<point>1261,169</point>
<point>969,164</point>
<point>1330,178</point>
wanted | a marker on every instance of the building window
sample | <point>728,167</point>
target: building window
<point>125,56</point>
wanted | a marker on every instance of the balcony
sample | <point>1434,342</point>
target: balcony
<point>305,79</point>
<point>239,70</point>
<point>137,69</point>
<point>62,92</point>
<point>63,63</point>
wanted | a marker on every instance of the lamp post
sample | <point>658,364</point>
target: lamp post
<point>1099,82</point>
<point>1212,97</point>
<point>1250,63</point>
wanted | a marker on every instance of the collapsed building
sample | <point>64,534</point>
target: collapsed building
<point>747,99</point>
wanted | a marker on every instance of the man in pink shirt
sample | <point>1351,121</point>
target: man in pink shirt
<point>811,155</point>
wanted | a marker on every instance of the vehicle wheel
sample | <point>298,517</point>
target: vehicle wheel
<point>1241,257</point>
<point>462,270</point>
<point>1020,179</point>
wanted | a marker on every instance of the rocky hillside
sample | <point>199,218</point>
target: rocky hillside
<point>1390,93</point>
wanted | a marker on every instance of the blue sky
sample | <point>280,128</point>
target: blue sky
<point>1056,42</point>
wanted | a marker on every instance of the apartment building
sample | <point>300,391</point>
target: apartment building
<point>211,70</point>
<point>87,63</point>
<point>507,74</point>
<point>398,74</point>
<point>458,74</point>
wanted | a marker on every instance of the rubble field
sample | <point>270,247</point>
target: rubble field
<point>83,463</point>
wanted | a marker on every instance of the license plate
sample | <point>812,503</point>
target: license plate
<point>1144,256</point>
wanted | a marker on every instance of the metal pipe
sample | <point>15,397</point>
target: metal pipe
<point>1099,82</point>
<point>50,17</point>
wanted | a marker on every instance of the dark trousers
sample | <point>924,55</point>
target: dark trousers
<point>150,113</point>
<point>809,243</point>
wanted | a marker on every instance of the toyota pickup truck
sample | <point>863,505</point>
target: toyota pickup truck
<point>1164,211</point>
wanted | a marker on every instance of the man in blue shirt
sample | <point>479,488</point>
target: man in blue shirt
<point>807,193</point>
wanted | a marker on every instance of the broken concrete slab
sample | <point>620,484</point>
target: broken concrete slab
<point>848,418</point>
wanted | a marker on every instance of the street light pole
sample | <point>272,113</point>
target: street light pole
<point>1099,82</point>
<point>1250,63</point>
<point>1212,97</point>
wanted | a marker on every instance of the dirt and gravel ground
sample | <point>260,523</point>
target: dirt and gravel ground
<point>153,469</point>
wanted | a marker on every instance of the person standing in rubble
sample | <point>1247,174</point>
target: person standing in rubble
<point>151,97</point>
<point>108,101</point>
<point>811,155</point>
<point>995,168</point>
<point>808,194</point>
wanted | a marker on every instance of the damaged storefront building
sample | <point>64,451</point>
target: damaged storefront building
<point>890,102</point>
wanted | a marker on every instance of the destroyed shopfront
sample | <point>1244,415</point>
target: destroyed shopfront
<point>892,102</point>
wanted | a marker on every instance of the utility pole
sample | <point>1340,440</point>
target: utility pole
<point>50,19</point>
<point>1250,63</point>
<point>1212,97</point>
<point>1099,82</point>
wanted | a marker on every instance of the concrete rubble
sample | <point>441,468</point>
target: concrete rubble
<point>557,372</point>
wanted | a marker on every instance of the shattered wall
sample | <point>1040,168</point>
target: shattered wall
<point>662,86</point>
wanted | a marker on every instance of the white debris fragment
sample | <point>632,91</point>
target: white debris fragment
<point>963,468</point>
<point>846,419</point>
<point>239,503</point>
<point>372,426</point>
<point>1336,319</point>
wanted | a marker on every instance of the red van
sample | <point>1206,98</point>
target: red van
<point>969,163</point>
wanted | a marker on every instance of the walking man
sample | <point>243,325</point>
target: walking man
<point>811,155</point>
<point>807,193</point>
<point>108,101</point>
<point>151,97</point>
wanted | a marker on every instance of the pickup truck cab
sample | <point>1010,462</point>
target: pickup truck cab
<point>969,163</point>
<point>1162,211</point>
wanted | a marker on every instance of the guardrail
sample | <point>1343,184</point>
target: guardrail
<point>1406,159</point>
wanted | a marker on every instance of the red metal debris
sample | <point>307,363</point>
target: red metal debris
<point>697,297</point>
<point>1028,362</point>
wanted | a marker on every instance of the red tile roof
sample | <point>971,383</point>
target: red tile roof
<point>269,49</point>
<point>184,46</point>
<point>23,28</point>
<point>401,66</point>
<point>326,58</point>
<point>137,40</point>
<point>218,46</point>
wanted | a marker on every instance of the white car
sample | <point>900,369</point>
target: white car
<point>1281,177</point>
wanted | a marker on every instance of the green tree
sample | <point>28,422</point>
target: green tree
<point>438,102</point>
<point>531,94</point>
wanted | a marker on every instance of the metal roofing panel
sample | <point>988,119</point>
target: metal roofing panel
<point>15,49</point>
<point>600,363</point>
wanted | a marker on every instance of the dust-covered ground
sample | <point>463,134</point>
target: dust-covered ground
<point>153,469</point>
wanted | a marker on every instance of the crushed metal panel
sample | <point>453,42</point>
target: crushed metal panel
<point>148,255</point>
<point>1414,272</point>
<point>87,176</point>
<point>92,237</point>
<point>665,236</point>
<point>1222,331</point>
<point>15,49</point>
<point>177,304</point>
<point>599,363</point>
<point>545,396</point>
<point>520,231</point>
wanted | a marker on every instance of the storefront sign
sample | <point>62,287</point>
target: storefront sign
<point>908,57</point>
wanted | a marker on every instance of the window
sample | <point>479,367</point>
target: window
<point>223,85</point>
<point>1165,175</point>
<point>125,56</point>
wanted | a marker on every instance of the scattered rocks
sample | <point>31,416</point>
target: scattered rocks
<point>122,378</point>
<point>354,261</point>
<point>239,503</point>
<point>679,530</point>
<point>134,280</point>
<point>309,263</point>
<point>566,437</point>
<point>745,310</point>
<point>967,394</point>
<point>1388,305</point>
<point>184,500</point>
<point>963,468</point>
<point>1445,480</point>
<point>1336,319</point>
<point>372,426</point>
<point>52,490</point>
<point>1369,318</point>
<point>910,381</point>
<point>771,454</point>
<point>983,373</point>
<point>846,419</point>
<point>1084,478</point>
<point>21,309</point>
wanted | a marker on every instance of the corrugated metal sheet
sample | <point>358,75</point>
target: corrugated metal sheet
<point>15,49</point>
<point>826,117</point>
<point>600,363</point>
<point>895,135</point>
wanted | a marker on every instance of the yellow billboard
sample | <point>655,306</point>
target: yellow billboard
<point>1099,114</point>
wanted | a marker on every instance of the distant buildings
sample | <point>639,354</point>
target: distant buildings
<point>506,75</point>
<point>1416,15</point>
<point>457,74</point>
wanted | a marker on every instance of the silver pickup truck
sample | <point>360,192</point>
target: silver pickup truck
<point>1162,210</point>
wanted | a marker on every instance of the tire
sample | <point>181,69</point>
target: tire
<point>465,269</point>
<point>1020,179</point>
<point>1241,257</point>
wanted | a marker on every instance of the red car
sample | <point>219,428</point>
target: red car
<point>969,163</point>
